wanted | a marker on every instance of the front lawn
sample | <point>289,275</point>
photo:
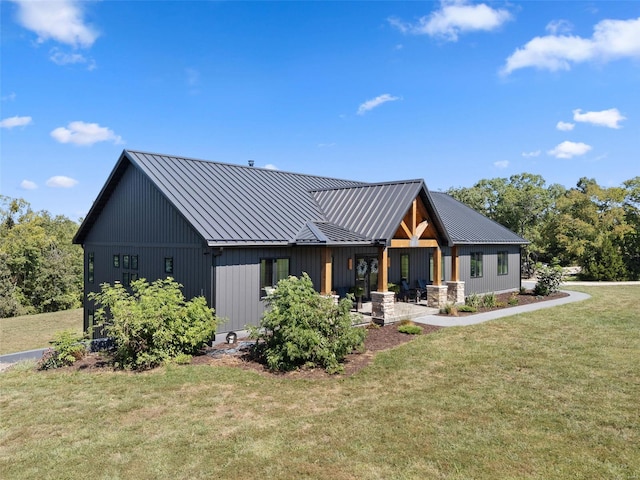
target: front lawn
<point>36,331</point>
<point>545,395</point>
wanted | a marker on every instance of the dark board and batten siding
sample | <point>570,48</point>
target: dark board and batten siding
<point>139,221</point>
<point>490,280</point>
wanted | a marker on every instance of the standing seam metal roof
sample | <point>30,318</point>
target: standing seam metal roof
<point>231,204</point>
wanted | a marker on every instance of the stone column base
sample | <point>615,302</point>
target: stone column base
<point>437,296</point>
<point>382,307</point>
<point>455,292</point>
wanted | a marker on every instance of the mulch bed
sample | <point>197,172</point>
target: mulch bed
<point>377,340</point>
<point>525,298</point>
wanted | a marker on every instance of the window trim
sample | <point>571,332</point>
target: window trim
<point>168,267</point>
<point>91,265</point>
<point>479,267</point>
<point>503,262</point>
<point>274,273</point>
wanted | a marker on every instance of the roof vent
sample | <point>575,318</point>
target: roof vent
<point>251,162</point>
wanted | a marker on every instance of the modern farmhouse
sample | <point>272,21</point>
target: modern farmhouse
<point>230,232</point>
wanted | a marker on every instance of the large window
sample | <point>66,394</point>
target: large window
<point>476,264</point>
<point>272,270</point>
<point>404,266</point>
<point>503,263</point>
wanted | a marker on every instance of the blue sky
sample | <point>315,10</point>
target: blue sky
<point>452,92</point>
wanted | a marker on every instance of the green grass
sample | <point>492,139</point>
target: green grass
<point>35,331</point>
<point>548,395</point>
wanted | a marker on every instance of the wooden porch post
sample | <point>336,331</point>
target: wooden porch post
<point>437,266</point>
<point>455,265</point>
<point>325,271</point>
<point>383,270</point>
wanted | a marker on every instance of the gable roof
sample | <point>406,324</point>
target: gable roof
<point>467,226</point>
<point>232,205</point>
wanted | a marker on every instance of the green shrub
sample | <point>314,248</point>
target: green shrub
<point>490,300</point>
<point>450,309</point>
<point>467,309</point>
<point>549,280</point>
<point>473,300</point>
<point>67,349</point>
<point>153,324</point>
<point>513,299</point>
<point>303,328</point>
<point>410,329</point>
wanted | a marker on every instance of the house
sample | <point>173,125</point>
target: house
<point>230,232</point>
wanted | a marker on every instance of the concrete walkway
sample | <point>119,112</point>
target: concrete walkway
<point>450,321</point>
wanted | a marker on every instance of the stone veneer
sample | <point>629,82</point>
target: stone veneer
<point>455,292</point>
<point>437,295</point>
<point>383,307</point>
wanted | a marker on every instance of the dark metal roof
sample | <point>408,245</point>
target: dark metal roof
<point>466,226</point>
<point>234,205</point>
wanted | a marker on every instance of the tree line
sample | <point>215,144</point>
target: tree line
<point>591,226</point>
<point>40,269</point>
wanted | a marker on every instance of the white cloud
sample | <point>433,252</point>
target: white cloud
<point>10,97</point>
<point>28,185</point>
<point>565,126</point>
<point>270,166</point>
<point>62,58</point>
<point>60,181</point>
<point>501,164</point>
<point>612,39</point>
<point>376,102</point>
<point>531,154</point>
<point>16,121</point>
<point>605,118</point>
<point>59,20</point>
<point>568,149</point>
<point>81,133</point>
<point>326,145</point>
<point>559,26</point>
<point>453,18</point>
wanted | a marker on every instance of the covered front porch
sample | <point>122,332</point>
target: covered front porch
<point>415,236</point>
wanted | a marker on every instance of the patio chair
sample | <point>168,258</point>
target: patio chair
<point>422,289</point>
<point>406,292</point>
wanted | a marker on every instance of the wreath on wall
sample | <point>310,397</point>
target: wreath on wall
<point>362,267</point>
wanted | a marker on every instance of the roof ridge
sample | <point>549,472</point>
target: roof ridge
<point>237,165</point>
<point>368,184</point>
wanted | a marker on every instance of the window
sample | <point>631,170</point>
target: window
<point>404,266</point>
<point>125,261</point>
<point>90,317</point>
<point>168,265</point>
<point>126,279</point>
<point>134,262</point>
<point>503,263</point>
<point>90,267</point>
<point>476,264</point>
<point>272,270</point>
<point>116,261</point>
<point>431,275</point>
<point>133,277</point>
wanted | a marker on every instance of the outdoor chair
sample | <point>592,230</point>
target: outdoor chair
<point>421,292</point>
<point>406,292</point>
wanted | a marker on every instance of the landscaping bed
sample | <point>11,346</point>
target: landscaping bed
<point>525,298</point>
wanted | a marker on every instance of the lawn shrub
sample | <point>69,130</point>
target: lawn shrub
<point>490,300</point>
<point>67,348</point>
<point>153,324</point>
<point>513,299</point>
<point>303,328</point>
<point>450,309</point>
<point>467,308</point>
<point>473,300</point>
<point>549,280</point>
<point>410,329</point>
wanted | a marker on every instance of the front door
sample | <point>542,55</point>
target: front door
<point>367,275</point>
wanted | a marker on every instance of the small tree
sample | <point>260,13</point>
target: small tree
<point>549,280</point>
<point>302,327</point>
<point>153,324</point>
